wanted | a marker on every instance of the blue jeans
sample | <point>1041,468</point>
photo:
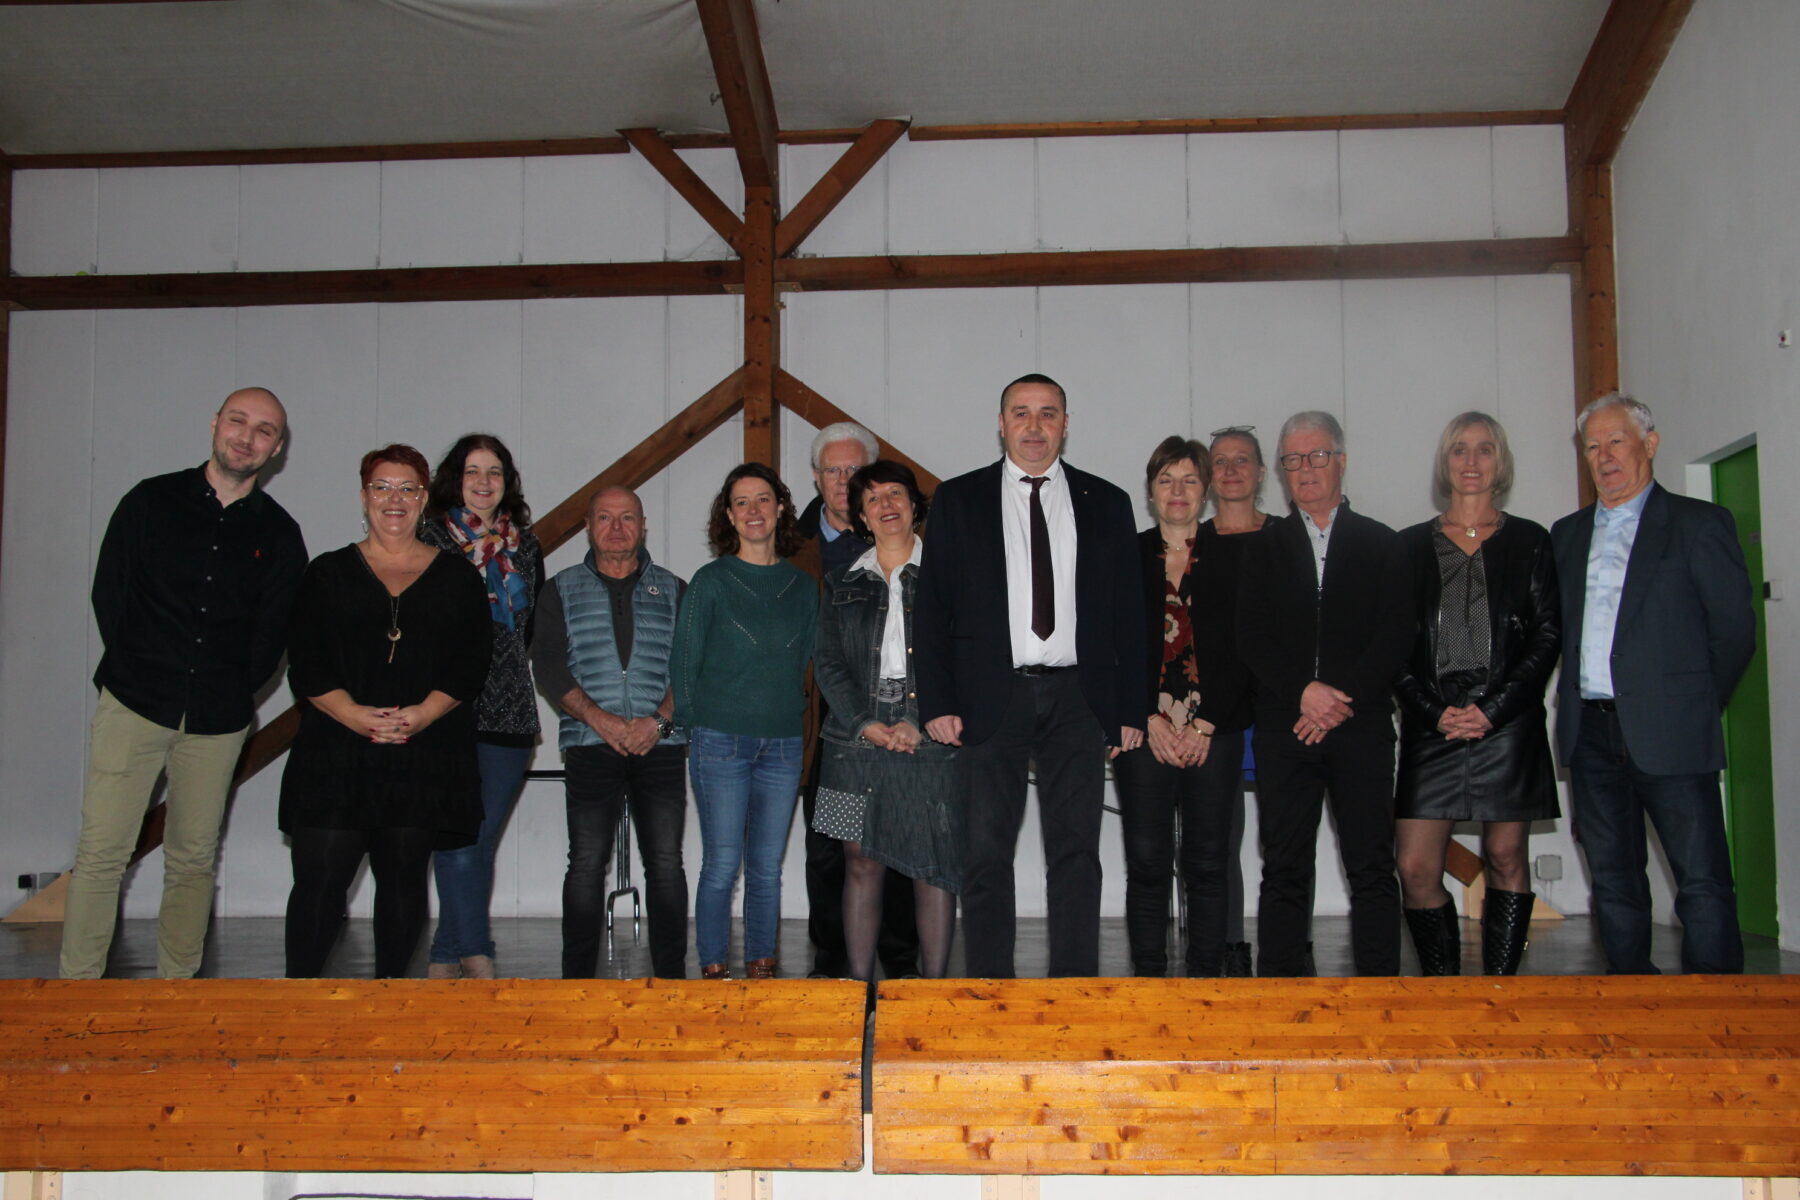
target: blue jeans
<point>745,789</point>
<point>465,877</point>
<point>1611,798</point>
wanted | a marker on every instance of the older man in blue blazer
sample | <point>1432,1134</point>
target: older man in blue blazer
<point>1657,630</point>
<point>1029,638</point>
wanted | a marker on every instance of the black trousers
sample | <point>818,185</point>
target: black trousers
<point>1354,769</point>
<point>1206,796</point>
<point>597,783</point>
<point>1047,722</point>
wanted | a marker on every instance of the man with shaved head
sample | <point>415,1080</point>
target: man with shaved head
<point>605,628</point>
<point>191,593</point>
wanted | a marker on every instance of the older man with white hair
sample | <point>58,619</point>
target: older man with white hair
<point>1657,630</point>
<point>1325,620</point>
<point>838,452</point>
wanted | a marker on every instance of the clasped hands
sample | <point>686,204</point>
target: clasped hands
<point>638,735</point>
<point>390,726</point>
<point>1463,722</point>
<point>902,737</point>
<point>1322,709</point>
<point>1184,747</point>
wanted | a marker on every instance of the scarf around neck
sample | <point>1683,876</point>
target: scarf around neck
<point>494,550</point>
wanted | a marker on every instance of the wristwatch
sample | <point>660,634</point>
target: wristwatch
<point>664,726</point>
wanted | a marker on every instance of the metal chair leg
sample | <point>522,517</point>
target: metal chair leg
<point>622,876</point>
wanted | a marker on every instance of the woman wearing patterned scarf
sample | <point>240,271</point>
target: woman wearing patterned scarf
<point>478,508</point>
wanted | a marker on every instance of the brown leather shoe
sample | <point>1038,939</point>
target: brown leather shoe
<point>762,968</point>
<point>716,971</point>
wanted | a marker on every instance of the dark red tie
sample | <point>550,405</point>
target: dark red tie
<point>1043,581</point>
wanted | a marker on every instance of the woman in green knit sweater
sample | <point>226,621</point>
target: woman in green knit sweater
<point>742,643</point>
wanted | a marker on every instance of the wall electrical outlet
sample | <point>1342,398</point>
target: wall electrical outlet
<point>1547,867</point>
<point>37,881</point>
<point>1785,339</point>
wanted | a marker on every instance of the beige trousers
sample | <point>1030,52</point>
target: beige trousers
<point>125,757</point>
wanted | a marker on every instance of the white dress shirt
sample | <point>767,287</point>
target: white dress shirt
<point>1321,541</point>
<point>1615,532</point>
<point>893,633</point>
<point>1029,650</point>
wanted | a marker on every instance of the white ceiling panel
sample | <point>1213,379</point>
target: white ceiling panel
<point>250,74</point>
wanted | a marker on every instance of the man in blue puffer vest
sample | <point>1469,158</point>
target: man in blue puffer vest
<point>601,655</point>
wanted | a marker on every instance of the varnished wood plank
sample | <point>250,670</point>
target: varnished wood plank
<point>1534,1075</point>
<point>835,184</point>
<point>1177,125</point>
<point>816,410</point>
<point>688,185</point>
<point>1400,260</point>
<point>1629,49</point>
<point>735,45</point>
<point>239,289</point>
<point>395,152</point>
<point>514,1075</point>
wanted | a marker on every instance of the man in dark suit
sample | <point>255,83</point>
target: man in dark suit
<point>1029,633</point>
<point>1657,630</point>
<point>1325,620</point>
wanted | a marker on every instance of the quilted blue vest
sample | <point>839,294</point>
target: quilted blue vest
<point>632,689</point>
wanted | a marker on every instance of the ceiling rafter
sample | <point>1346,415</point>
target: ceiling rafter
<point>1634,39</point>
<point>688,185</point>
<point>736,48</point>
<point>836,183</point>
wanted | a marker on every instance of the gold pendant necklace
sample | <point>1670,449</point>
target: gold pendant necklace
<point>393,633</point>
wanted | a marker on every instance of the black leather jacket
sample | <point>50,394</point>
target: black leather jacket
<point>1523,611</point>
<point>847,656</point>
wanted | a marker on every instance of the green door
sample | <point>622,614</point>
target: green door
<point>1749,777</point>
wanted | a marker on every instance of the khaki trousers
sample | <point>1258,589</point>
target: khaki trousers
<point>126,755</point>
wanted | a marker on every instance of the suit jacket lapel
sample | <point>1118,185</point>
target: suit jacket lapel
<point>988,531</point>
<point>1646,551</point>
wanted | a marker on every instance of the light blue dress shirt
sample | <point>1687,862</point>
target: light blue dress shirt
<point>1615,530</point>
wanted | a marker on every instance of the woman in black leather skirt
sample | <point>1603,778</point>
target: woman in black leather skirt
<point>1472,739</point>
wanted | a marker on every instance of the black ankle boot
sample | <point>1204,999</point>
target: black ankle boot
<point>1437,937</point>
<point>1236,963</point>
<point>1505,927</point>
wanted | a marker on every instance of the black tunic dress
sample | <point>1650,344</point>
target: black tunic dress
<point>1507,775</point>
<point>337,779</point>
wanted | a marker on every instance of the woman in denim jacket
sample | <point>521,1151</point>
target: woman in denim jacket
<point>885,790</point>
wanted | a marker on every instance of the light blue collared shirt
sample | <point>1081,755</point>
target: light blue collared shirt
<point>1615,531</point>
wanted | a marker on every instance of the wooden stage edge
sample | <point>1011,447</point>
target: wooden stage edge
<point>1529,1076</point>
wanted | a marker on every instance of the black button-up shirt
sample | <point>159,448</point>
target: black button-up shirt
<point>193,599</point>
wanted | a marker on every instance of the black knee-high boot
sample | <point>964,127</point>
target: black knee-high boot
<point>1437,937</point>
<point>1505,928</point>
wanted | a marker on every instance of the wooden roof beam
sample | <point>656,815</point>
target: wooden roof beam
<point>1395,260</point>
<point>1633,41</point>
<point>1182,125</point>
<point>835,184</point>
<point>242,289</point>
<point>688,185</point>
<point>737,57</point>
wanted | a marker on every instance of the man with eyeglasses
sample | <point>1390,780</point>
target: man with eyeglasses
<point>1325,620</point>
<point>191,594</point>
<point>838,452</point>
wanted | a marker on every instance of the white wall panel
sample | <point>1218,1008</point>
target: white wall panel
<point>1412,185</point>
<point>594,208</point>
<point>154,219</point>
<point>447,370</point>
<point>837,345</point>
<point>44,625</point>
<point>450,213</point>
<point>312,217</point>
<point>949,354</point>
<point>690,237</point>
<point>1530,197</point>
<point>55,216</point>
<point>1122,355</point>
<point>1262,351</point>
<point>1112,193</point>
<point>858,225</point>
<point>951,197</point>
<point>1261,189</point>
<point>1533,400</point>
<point>1416,353</point>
